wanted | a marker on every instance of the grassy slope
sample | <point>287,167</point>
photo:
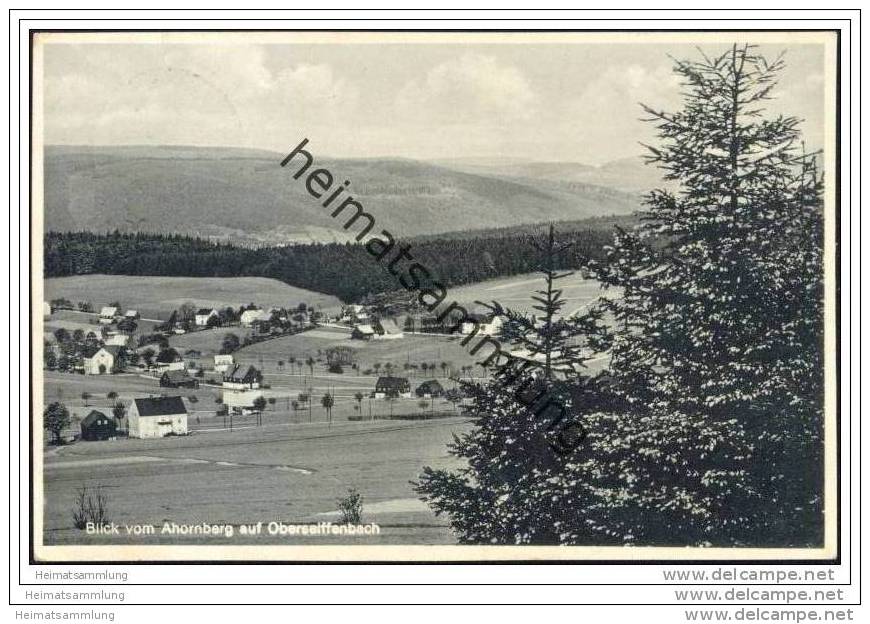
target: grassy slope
<point>156,297</point>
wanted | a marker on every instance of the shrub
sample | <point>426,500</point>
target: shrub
<point>351,507</point>
<point>90,506</point>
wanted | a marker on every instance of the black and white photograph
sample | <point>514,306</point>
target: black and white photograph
<point>434,296</point>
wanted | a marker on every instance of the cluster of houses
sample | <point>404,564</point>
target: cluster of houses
<point>157,417</point>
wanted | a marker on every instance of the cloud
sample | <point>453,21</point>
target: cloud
<point>469,89</point>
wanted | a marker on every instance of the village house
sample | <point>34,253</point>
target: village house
<point>241,379</point>
<point>362,332</point>
<point>249,317</point>
<point>108,314</point>
<point>101,360</point>
<point>487,324</point>
<point>133,315</point>
<point>126,325</point>
<point>392,387</point>
<point>98,426</point>
<point>386,329</point>
<point>222,363</point>
<point>168,360</point>
<point>46,308</point>
<point>430,389</point>
<point>203,315</point>
<point>116,339</point>
<point>354,314</point>
<point>157,417</point>
<point>177,379</point>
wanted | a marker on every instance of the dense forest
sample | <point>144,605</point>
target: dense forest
<point>345,270</point>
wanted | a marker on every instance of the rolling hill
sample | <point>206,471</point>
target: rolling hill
<point>245,197</point>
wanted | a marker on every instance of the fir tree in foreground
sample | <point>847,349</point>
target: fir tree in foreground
<point>709,428</point>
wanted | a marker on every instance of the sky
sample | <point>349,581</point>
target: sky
<point>575,102</point>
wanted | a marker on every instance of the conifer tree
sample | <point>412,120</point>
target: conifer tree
<point>719,309</point>
<point>707,428</point>
<point>528,420</point>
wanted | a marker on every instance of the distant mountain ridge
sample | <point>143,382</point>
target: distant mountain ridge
<point>243,195</point>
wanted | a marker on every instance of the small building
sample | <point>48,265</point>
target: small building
<point>133,315</point>
<point>223,363</point>
<point>108,314</point>
<point>102,360</point>
<point>487,324</point>
<point>98,426</point>
<point>430,389</point>
<point>248,317</point>
<point>117,340</point>
<point>386,329</point>
<point>242,379</point>
<point>392,387</point>
<point>241,400</point>
<point>193,353</point>
<point>177,379</point>
<point>157,417</point>
<point>362,332</point>
<point>46,308</point>
<point>169,360</point>
<point>127,325</point>
<point>203,316</point>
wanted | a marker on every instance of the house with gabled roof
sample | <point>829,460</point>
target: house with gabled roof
<point>157,417</point>
<point>177,379</point>
<point>241,378</point>
<point>392,387</point>
<point>108,314</point>
<point>203,315</point>
<point>362,332</point>
<point>387,329</point>
<point>101,360</point>
<point>430,389</point>
<point>98,426</point>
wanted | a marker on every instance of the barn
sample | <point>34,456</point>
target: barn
<point>240,379</point>
<point>98,426</point>
<point>157,417</point>
<point>392,387</point>
<point>430,389</point>
<point>177,379</point>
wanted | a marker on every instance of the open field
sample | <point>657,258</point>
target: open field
<point>515,292</point>
<point>291,474</point>
<point>156,297</point>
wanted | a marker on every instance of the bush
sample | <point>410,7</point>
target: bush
<point>90,506</point>
<point>351,507</point>
<point>336,368</point>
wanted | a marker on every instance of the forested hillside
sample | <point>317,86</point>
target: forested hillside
<point>345,270</point>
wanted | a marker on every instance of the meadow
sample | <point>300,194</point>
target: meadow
<point>292,474</point>
<point>156,297</point>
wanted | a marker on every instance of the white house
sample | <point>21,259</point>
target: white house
<point>117,340</point>
<point>203,315</point>
<point>222,363</point>
<point>488,325</point>
<point>241,400</point>
<point>249,317</point>
<point>46,308</point>
<point>169,360</point>
<point>157,417</point>
<point>362,332</point>
<point>386,329</point>
<point>132,314</point>
<point>108,314</point>
<point>102,361</point>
